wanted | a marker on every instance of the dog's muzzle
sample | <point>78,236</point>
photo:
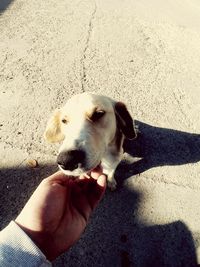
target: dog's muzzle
<point>71,160</point>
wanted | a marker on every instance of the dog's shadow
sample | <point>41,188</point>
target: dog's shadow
<point>156,147</point>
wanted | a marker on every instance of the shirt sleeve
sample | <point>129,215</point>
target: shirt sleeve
<point>17,249</point>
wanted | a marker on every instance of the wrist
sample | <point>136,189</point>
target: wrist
<point>42,240</point>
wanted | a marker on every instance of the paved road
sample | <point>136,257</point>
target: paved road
<point>145,53</point>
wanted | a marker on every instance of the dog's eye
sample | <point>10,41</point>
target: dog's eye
<point>64,121</point>
<point>98,114</point>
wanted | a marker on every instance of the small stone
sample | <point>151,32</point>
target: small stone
<point>32,163</point>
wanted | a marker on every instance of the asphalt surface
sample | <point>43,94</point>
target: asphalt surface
<point>145,53</point>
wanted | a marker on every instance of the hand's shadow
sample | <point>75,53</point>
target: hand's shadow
<point>159,147</point>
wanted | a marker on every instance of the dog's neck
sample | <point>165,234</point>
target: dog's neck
<point>117,142</point>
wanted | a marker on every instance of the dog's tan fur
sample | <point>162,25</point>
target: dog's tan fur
<point>101,139</point>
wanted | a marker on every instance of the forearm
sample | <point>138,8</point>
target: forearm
<point>17,249</point>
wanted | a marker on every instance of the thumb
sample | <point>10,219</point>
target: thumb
<point>98,190</point>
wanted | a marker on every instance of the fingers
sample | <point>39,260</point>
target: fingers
<point>86,194</point>
<point>60,177</point>
<point>96,192</point>
<point>80,201</point>
<point>101,181</point>
<point>96,185</point>
<point>95,173</point>
<point>93,189</point>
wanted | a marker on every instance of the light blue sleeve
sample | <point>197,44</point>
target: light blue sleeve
<point>17,249</point>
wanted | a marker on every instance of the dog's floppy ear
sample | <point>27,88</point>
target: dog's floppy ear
<point>124,120</point>
<point>53,132</point>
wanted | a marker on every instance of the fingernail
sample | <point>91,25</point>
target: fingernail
<point>101,180</point>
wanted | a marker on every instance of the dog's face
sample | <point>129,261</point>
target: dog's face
<point>87,124</point>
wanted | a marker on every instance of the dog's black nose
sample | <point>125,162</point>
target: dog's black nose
<point>71,160</point>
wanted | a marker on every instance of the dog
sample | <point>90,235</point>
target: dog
<point>92,129</point>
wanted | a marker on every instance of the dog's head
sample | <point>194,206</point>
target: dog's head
<point>87,124</point>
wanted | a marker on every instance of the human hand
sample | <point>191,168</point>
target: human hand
<point>58,211</point>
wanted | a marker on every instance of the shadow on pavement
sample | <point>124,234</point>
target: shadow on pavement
<point>159,147</point>
<point>114,236</point>
<point>16,186</point>
<point>4,5</point>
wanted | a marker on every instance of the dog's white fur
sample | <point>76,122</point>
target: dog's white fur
<point>100,138</point>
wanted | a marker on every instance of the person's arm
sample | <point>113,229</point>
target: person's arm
<point>52,220</point>
<point>17,249</point>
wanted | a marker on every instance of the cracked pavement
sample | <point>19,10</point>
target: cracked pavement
<point>145,53</point>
